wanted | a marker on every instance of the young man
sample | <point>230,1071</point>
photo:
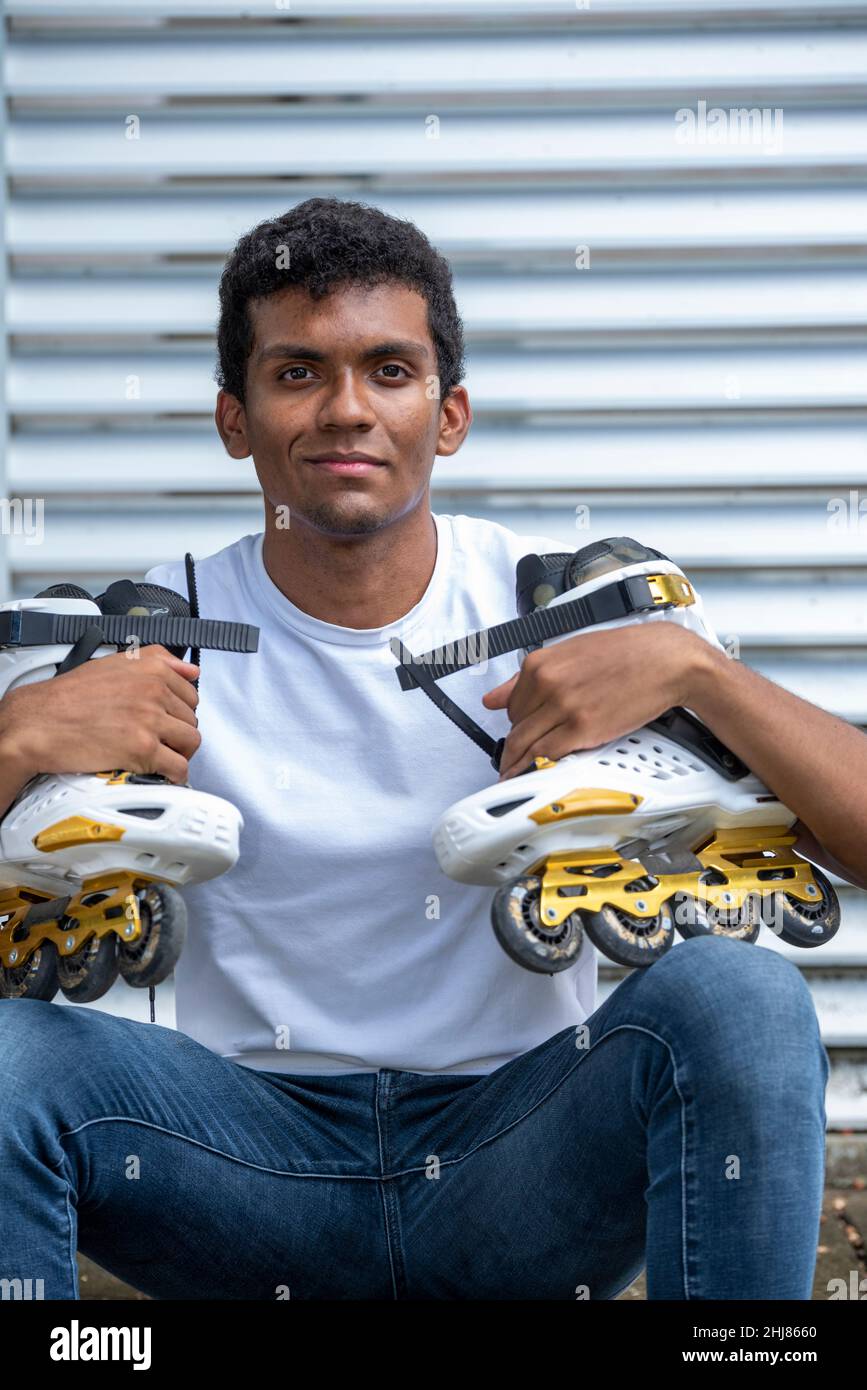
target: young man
<point>366,1098</point>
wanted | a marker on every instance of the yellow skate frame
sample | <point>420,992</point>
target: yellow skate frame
<point>736,853</point>
<point>119,913</point>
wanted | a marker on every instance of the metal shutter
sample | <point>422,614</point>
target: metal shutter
<point>701,384</point>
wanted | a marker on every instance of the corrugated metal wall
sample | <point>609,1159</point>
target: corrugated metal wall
<point>665,307</point>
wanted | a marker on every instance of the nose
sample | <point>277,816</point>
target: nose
<point>346,405</point>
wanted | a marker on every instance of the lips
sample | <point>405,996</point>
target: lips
<point>354,463</point>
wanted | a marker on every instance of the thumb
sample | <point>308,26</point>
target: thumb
<point>499,697</point>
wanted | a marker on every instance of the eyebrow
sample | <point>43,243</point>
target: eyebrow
<point>396,347</point>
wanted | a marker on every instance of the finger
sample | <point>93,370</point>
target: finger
<point>155,650</point>
<point>498,698</point>
<point>556,743</point>
<point>179,708</point>
<point>527,733</point>
<point>170,764</point>
<point>181,688</point>
<point>177,734</point>
<point>157,661</point>
<point>164,759</point>
<point>527,698</point>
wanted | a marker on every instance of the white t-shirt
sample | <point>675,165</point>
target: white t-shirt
<point>337,943</point>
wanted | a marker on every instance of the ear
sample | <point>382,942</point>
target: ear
<point>230,418</point>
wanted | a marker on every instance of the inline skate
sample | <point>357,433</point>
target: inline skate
<point>91,863</point>
<point>662,828</point>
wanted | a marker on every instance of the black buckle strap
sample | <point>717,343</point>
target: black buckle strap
<point>30,627</point>
<point>616,600</point>
<point>619,599</point>
<point>421,676</point>
<point>82,651</point>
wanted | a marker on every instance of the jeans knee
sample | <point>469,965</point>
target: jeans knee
<point>737,998</point>
<point>35,1035</point>
<point>737,971</point>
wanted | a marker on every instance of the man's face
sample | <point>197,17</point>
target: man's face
<point>354,372</point>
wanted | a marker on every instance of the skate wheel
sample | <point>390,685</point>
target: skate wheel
<point>690,915</point>
<point>91,972</point>
<point>515,919</point>
<point>35,979</point>
<point>629,940</point>
<point>739,923</point>
<point>805,924</point>
<point>153,957</point>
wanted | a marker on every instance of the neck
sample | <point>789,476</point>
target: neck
<point>360,581</point>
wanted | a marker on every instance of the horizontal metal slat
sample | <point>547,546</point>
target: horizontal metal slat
<point>722,221</point>
<point>389,11</point>
<point>831,454</point>
<point>755,610</point>
<point>612,304</point>
<point>529,145</point>
<point>628,67</point>
<point>633,379</point>
<point>789,536</point>
<point>753,537</point>
<point>135,384</point>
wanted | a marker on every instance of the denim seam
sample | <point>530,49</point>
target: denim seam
<point>382,1175</point>
<point>221,1153</point>
<point>73,1243</point>
<point>620,1027</point>
<point>557,1084</point>
<point>382,1192</point>
<point>391,1214</point>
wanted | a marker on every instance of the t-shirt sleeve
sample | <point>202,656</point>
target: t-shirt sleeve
<point>169,575</point>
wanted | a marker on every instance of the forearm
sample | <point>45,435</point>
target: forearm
<point>815,763</point>
<point>16,757</point>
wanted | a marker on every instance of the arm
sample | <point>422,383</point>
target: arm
<point>582,691</point>
<point>16,766</point>
<point>814,762</point>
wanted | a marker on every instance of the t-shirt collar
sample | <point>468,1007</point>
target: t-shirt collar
<point>287,612</point>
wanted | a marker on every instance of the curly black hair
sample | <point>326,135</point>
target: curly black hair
<point>323,243</point>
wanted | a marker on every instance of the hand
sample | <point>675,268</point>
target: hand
<point>586,690</point>
<point>132,711</point>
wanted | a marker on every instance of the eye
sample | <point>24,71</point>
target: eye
<point>389,366</point>
<point>294,369</point>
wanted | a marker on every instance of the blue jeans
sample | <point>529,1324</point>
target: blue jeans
<point>681,1127</point>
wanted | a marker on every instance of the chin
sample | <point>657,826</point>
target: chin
<point>337,521</point>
